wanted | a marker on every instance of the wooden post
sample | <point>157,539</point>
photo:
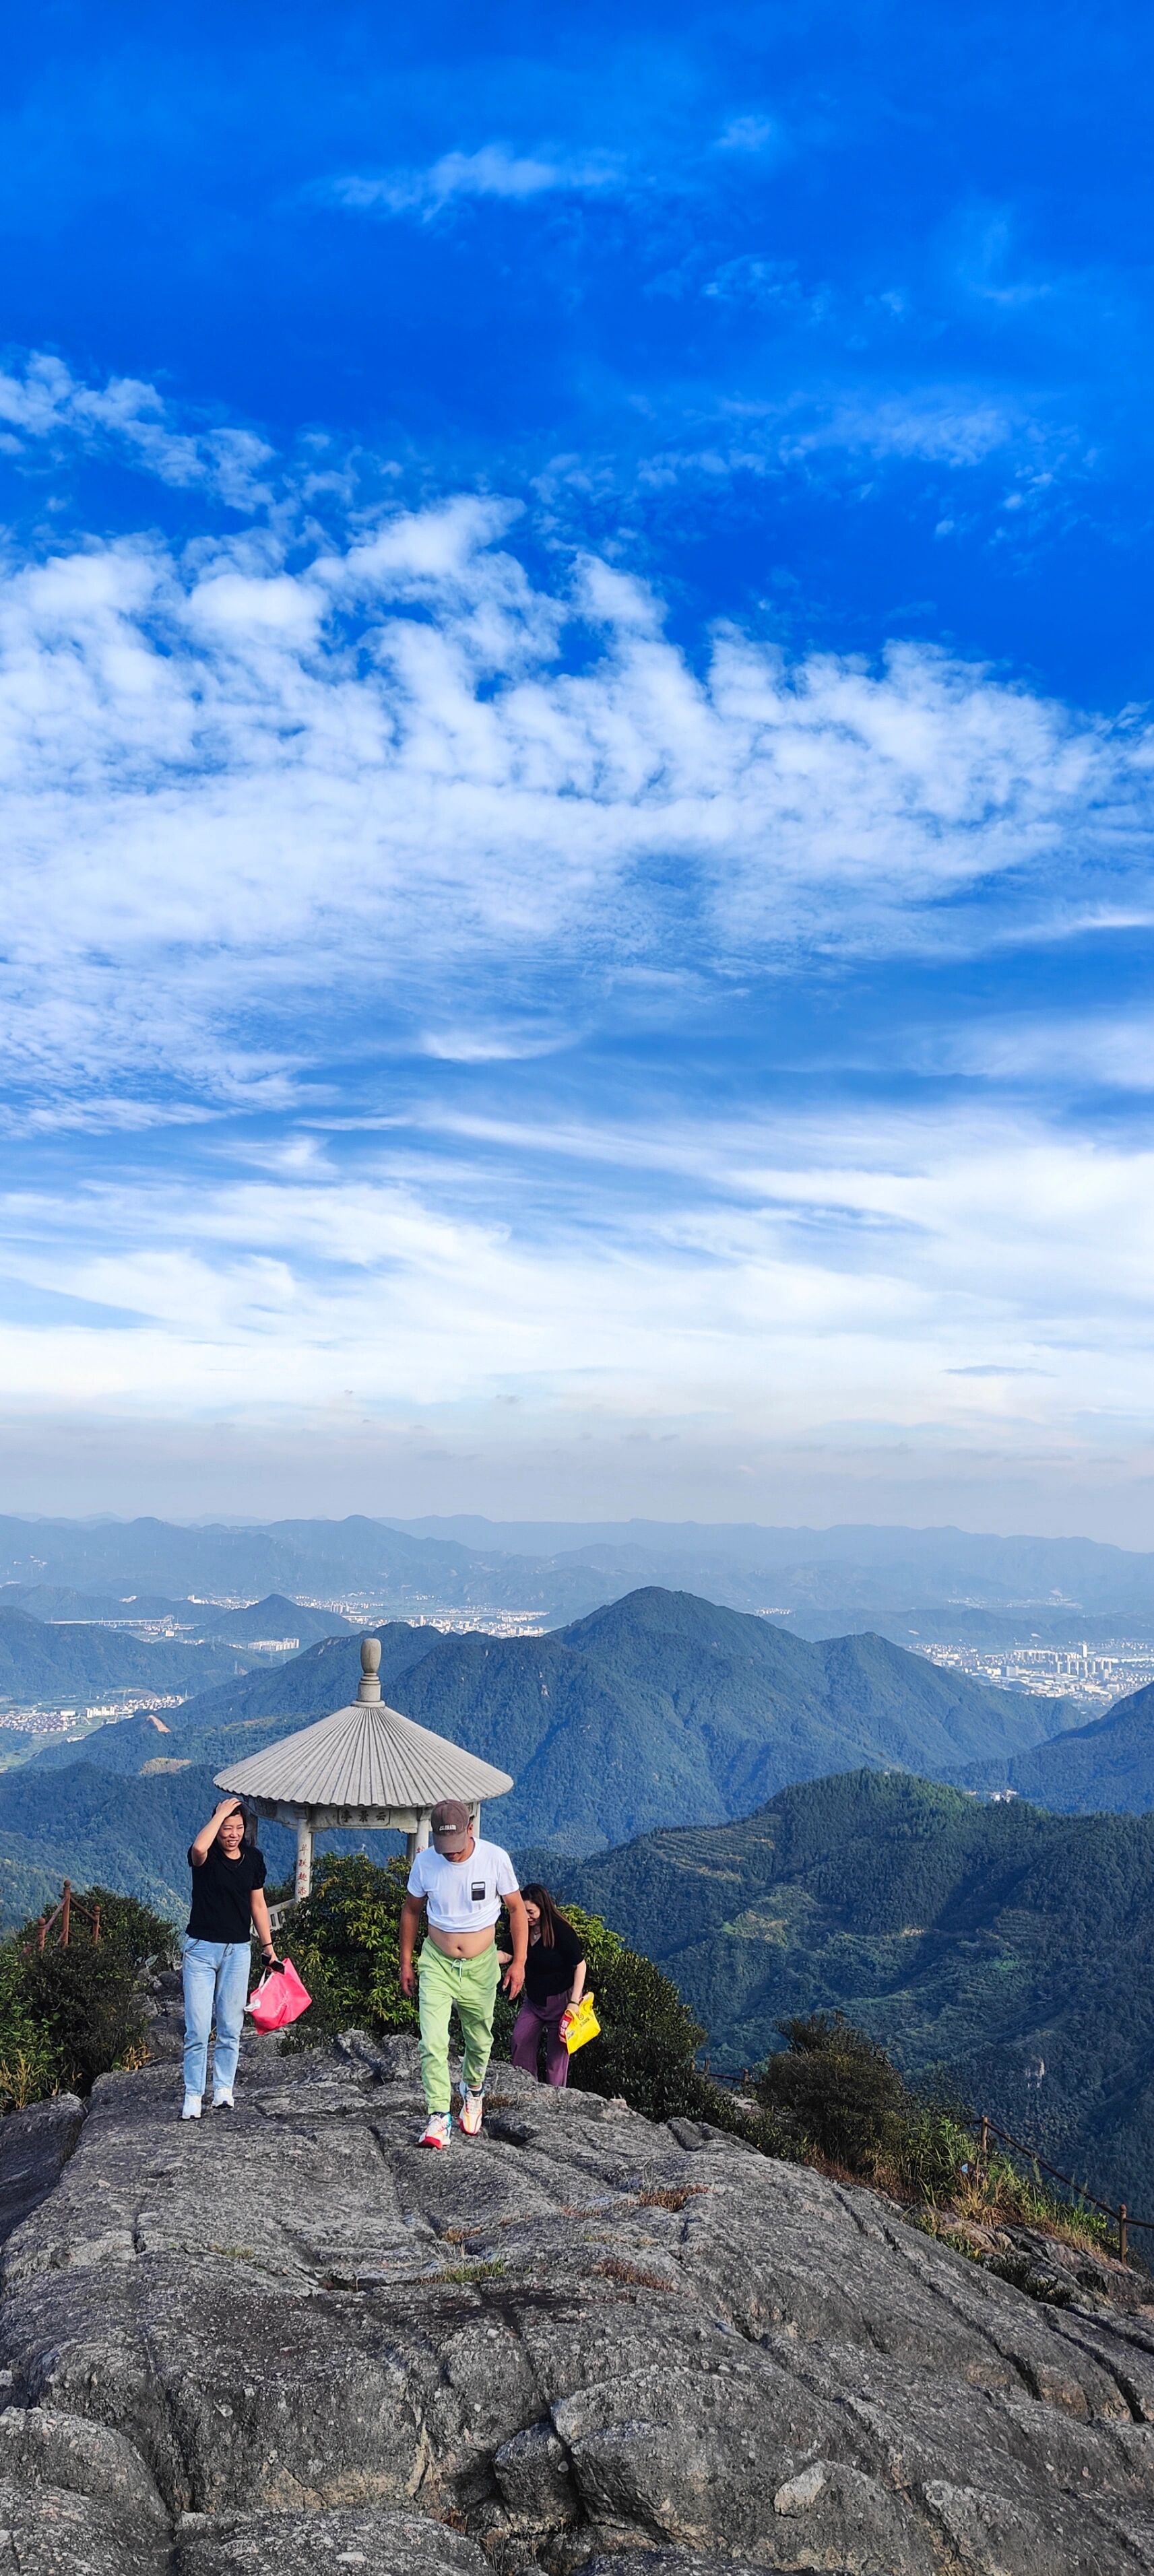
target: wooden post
<point>304,1876</point>
<point>65,1913</point>
<point>1123,2243</point>
<point>984,2141</point>
<point>96,1927</point>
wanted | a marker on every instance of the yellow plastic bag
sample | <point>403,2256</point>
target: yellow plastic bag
<point>583,2024</point>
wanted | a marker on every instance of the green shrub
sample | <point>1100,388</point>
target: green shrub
<point>88,2005</point>
<point>145,1935</point>
<point>344,1940</point>
<point>67,2016</point>
<point>835,2087</point>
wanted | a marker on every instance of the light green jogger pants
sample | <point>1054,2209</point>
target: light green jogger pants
<point>470,1984</point>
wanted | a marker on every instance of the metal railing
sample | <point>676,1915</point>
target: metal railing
<point>987,2129</point>
<point>62,1914</point>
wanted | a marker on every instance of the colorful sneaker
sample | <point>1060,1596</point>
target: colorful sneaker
<point>472,2108</point>
<point>191,2109</point>
<point>222,2098</point>
<point>437,2131</point>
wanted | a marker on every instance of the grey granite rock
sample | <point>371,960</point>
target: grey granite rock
<point>35,2145</point>
<point>323,2544</point>
<point>293,2339</point>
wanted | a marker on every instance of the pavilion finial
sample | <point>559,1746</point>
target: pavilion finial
<point>370,1668</point>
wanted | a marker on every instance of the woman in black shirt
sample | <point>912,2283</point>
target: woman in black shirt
<point>554,1982</point>
<point>228,1875</point>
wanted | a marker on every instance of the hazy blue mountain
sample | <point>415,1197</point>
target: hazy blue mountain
<point>274,1617</point>
<point>62,1601</point>
<point>1108,1764</point>
<point>850,1577</point>
<point>984,1940</point>
<point>356,1556</point>
<point>851,1565</point>
<point>39,1661</point>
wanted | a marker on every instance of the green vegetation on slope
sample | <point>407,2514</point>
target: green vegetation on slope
<point>979,1941</point>
<point>655,1707</point>
<point>42,1661</point>
<point>660,1706</point>
<point>1108,1764</point>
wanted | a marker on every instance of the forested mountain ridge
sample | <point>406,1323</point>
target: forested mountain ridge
<point>1108,1764</point>
<point>39,1661</point>
<point>651,1708</point>
<point>982,1940</point>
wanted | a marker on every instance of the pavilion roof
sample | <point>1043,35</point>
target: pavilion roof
<point>365,1756</point>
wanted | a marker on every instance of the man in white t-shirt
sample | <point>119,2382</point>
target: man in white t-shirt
<point>464,1883</point>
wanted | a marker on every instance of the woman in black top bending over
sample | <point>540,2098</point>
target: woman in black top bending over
<point>554,1983</point>
<point>228,1875</point>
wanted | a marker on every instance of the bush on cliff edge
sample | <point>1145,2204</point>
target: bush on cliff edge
<point>67,2016</point>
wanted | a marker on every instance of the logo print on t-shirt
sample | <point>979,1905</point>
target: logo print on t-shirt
<point>477,1891</point>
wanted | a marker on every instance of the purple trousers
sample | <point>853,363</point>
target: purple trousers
<point>531,2020</point>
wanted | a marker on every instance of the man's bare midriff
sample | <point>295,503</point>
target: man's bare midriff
<point>463,1945</point>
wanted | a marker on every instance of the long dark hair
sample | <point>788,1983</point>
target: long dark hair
<point>552,1919</point>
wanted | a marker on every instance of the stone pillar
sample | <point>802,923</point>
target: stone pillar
<point>304,1877</point>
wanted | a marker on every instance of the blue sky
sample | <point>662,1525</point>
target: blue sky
<point>574,677</point>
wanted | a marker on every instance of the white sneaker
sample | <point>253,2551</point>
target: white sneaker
<point>438,2130</point>
<point>472,2110</point>
<point>222,2099</point>
<point>191,2109</point>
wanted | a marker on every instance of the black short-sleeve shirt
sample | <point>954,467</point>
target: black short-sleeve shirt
<point>221,1889</point>
<point>550,1971</point>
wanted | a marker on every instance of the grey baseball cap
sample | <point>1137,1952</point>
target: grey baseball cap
<point>450,1825</point>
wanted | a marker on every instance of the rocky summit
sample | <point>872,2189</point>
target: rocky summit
<point>290,2340</point>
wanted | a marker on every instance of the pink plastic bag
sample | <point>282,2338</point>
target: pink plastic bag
<point>280,1998</point>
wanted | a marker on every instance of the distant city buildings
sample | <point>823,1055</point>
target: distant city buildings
<point>1057,1672</point>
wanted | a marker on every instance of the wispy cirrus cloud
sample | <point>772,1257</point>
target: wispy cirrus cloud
<point>493,171</point>
<point>45,405</point>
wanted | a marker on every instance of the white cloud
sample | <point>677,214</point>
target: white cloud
<point>226,778</point>
<point>47,405</point>
<point>908,1272</point>
<point>748,134</point>
<point>494,171</point>
<point>947,426</point>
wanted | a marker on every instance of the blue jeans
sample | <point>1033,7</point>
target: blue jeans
<point>216,1975</point>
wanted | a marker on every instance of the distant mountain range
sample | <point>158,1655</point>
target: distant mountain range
<point>904,1583</point>
<point>657,1708</point>
<point>985,1941</point>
